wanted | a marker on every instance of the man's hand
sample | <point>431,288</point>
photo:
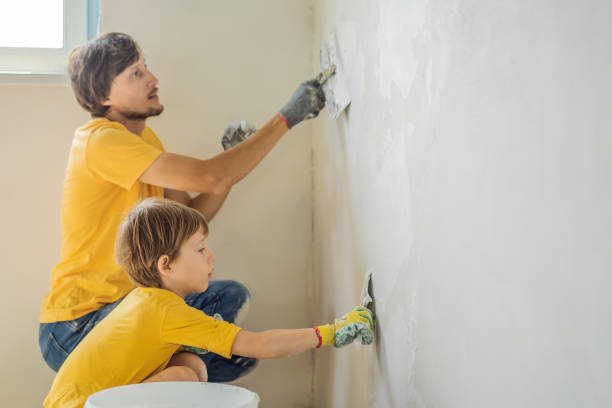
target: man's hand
<point>357,323</point>
<point>306,102</point>
<point>236,133</point>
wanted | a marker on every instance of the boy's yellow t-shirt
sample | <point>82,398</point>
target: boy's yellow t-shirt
<point>136,340</point>
<point>101,186</point>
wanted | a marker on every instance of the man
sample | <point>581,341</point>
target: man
<point>115,161</point>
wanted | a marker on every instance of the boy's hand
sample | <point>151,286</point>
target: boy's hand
<point>356,323</point>
<point>236,133</point>
<point>305,103</point>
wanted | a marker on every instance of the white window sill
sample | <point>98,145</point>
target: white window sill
<point>33,78</point>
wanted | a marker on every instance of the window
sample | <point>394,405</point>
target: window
<point>36,36</point>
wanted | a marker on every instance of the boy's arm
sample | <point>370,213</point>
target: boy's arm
<point>284,343</point>
<point>274,343</point>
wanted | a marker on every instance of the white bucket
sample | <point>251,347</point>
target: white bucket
<point>174,395</point>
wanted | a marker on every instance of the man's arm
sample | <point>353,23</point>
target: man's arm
<point>214,177</point>
<point>218,174</point>
<point>207,204</point>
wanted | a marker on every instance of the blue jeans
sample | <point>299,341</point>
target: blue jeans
<point>224,298</point>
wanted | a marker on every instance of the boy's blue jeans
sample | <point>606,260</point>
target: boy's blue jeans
<point>225,298</point>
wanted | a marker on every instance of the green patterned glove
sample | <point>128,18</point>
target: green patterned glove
<point>357,323</point>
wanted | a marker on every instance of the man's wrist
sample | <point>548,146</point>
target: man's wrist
<point>283,119</point>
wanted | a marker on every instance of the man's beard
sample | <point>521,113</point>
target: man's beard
<point>142,115</point>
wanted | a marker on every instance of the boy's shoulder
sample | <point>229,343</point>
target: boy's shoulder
<point>167,306</point>
<point>156,297</point>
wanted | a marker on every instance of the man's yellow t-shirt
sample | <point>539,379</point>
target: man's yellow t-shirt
<point>100,188</point>
<point>136,340</point>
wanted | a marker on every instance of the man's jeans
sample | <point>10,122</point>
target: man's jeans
<point>224,298</point>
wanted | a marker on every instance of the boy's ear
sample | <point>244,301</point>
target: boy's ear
<point>163,265</point>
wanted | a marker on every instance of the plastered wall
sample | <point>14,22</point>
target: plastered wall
<point>470,174</point>
<point>217,62</point>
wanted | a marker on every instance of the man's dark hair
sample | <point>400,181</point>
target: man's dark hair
<point>93,66</point>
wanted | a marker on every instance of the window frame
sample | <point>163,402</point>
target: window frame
<point>48,65</point>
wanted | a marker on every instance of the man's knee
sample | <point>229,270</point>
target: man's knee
<point>237,297</point>
<point>237,291</point>
<point>227,299</point>
<point>243,312</point>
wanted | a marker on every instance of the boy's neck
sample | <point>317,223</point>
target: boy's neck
<point>173,290</point>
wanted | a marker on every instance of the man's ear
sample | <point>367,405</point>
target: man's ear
<point>163,265</point>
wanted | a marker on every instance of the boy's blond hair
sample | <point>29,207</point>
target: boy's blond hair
<point>155,227</point>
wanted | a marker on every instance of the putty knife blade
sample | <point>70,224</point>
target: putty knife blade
<point>336,90</point>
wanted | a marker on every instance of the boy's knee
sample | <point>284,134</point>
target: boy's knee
<point>198,366</point>
<point>203,374</point>
<point>193,362</point>
<point>184,373</point>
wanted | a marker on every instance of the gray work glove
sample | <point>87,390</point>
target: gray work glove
<point>236,133</point>
<point>306,102</point>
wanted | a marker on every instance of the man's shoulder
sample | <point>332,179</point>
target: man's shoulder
<point>99,126</point>
<point>150,136</point>
<point>101,123</point>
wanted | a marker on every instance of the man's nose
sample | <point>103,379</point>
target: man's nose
<point>154,81</point>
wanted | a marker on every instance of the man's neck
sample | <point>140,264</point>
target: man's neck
<point>136,126</point>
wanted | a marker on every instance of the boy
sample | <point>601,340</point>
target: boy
<point>162,246</point>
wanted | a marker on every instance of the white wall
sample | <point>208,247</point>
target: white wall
<point>471,174</point>
<point>37,127</point>
<point>217,62</point>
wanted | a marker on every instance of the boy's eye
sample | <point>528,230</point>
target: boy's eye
<point>201,250</point>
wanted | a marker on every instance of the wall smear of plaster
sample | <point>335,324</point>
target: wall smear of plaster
<point>362,200</point>
<point>467,175</point>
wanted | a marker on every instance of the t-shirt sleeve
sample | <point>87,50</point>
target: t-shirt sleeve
<point>188,326</point>
<point>119,156</point>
